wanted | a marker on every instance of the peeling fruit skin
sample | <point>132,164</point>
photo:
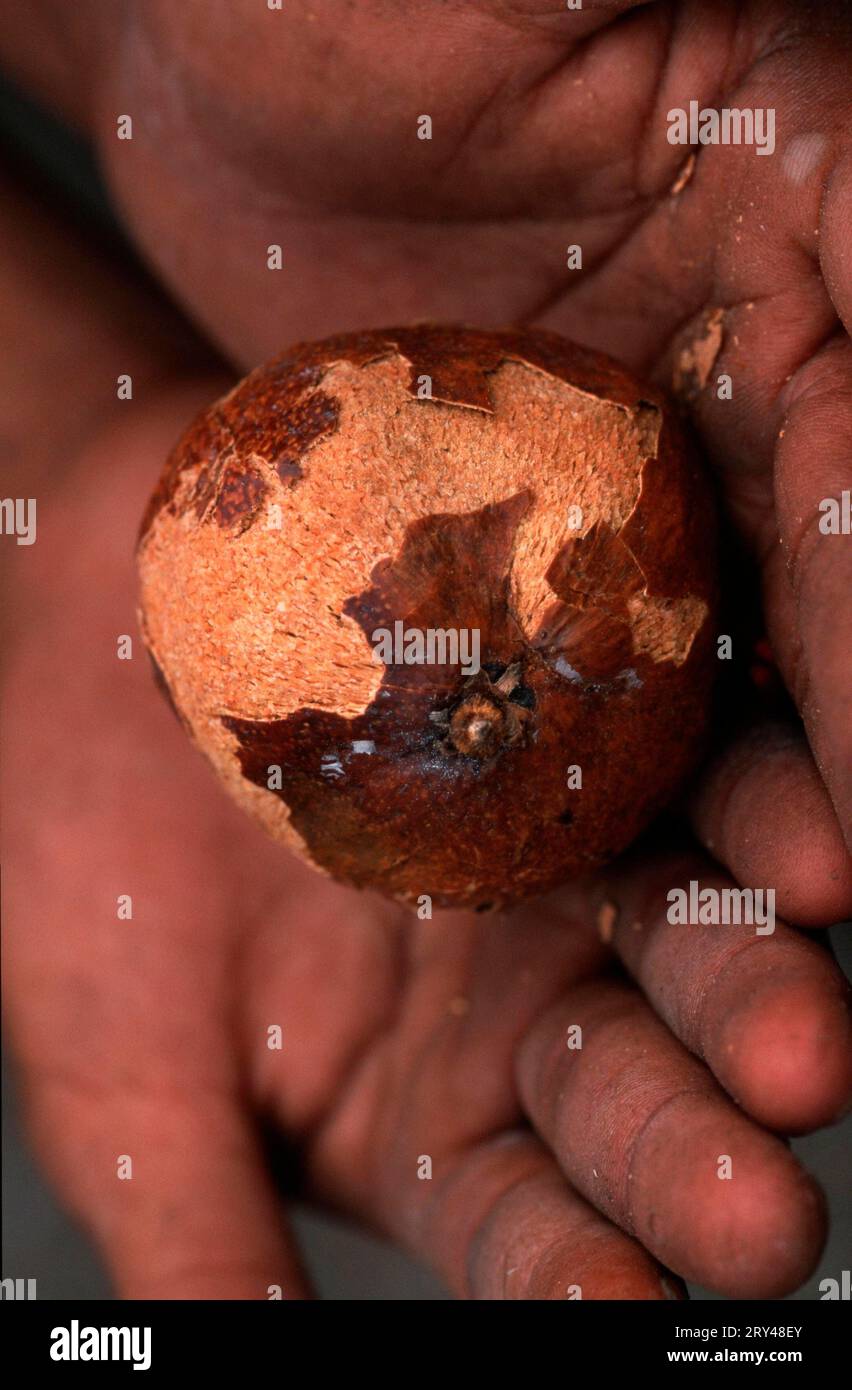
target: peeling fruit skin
<point>508,484</point>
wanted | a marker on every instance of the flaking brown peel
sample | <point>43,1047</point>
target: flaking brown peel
<point>505,483</point>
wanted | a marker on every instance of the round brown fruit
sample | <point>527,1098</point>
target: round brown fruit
<point>354,496</point>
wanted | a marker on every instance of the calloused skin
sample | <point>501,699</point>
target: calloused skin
<point>551,1168</point>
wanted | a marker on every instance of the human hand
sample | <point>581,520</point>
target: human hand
<point>299,128</point>
<point>552,1169</point>
<point>450,1017</point>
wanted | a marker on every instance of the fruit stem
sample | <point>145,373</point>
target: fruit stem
<point>477,727</point>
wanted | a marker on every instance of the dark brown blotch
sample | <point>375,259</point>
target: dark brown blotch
<point>415,815</point>
<point>202,447</point>
<point>278,412</point>
<point>595,569</point>
<point>239,496</point>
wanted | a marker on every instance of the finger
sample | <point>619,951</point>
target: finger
<point>769,324</point>
<point>779,443</point>
<point>769,1014</point>
<point>166,1175</point>
<point>791,489</point>
<point>122,1025</point>
<point>835,248</point>
<point>762,810</point>
<point>640,1128</point>
<point>813,475</point>
<point>172,1188</point>
<point>503,1223</point>
<point>426,1141</point>
<point>124,1034</point>
<point>471,985</point>
<point>498,1221</point>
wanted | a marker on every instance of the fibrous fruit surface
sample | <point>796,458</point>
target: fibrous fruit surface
<point>356,513</point>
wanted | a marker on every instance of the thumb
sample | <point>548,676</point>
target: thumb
<point>172,1187</point>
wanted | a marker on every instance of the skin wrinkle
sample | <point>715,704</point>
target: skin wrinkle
<point>629,1192</point>
<point>821,357</point>
<point>477,118</point>
<point>570,1228</point>
<point>716,296</point>
<point>554,298</point>
<point>799,559</point>
<point>692,1024</point>
<point>475,121</point>
<point>658,198</point>
<point>558,983</point>
<point>674,30</point>
<point>465,1158</point>
<point>712,984</point>
<point>207,122</point>
<point>351,1068</point>
<point>643,142</point>
<point>729,460</point>
<point>745,760</point>
<point>538,1191</point>
<point>824,341</point>
<point>345,1095</point>
<point>651,909</point>
<point>799,567</point>
<point>838,168</point>
<point>716,980</point>
<point>617,1005</point>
